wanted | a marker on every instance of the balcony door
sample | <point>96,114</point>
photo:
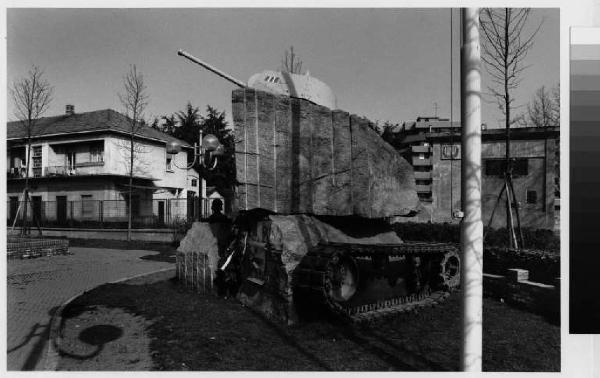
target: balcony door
<point>161,212</point>
<point>71,160</point>
<point>36,204</point>
<point>61,209</point>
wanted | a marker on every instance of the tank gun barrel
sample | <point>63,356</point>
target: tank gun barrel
<point>225,76</point>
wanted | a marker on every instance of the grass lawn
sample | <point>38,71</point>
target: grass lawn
<point>155,323</point>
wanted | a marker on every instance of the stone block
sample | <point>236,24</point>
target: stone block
<point>517,275</point>
<point>293,156</point>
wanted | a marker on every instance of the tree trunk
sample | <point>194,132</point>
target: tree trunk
<point>508,168</point>
<point>130,207</point>
<point>512,238</point>
<point>517,216</point>
<point>25,225</point>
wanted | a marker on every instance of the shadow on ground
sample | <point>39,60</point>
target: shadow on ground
<point>38,334</point>
<point>190,331</point>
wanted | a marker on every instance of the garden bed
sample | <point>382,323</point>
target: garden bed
<point>158,324</point>
<point>25,247</point>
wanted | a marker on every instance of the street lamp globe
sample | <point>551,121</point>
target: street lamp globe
<point>210,142</point>
<point>173,147</point>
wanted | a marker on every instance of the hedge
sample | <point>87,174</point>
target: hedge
<point>541,255</point>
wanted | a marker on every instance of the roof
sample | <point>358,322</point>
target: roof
<point>106,120</point>
<point>516,133</point>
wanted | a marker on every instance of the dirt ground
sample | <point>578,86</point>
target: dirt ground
<point>157,324</point>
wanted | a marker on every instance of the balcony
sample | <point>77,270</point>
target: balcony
<point>423,188</point>
<point>80,169</point>
<point>420,149</point>
<point>15,173</point>
<point>419,175</point>
<point>417,162</point>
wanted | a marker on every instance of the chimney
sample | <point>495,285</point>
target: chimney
<point>70,110</point>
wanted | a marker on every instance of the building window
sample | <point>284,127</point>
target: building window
<point>37,161</point>
<point>497,167</point>
<point>135,205</point>
<point>425,197</point>
<point>96,154</point>
<point>169,163</point>
<point>494,167</point>
<point>531,197</point>
<point>194,182</point>
<point>520,167</point>
<point>87,206</point>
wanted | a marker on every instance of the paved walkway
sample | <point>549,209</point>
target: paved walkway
<point>37,287</point>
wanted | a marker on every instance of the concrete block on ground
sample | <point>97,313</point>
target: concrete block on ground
<point>517,275</point>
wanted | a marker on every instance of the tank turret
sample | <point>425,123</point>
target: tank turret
<point>279,82</point>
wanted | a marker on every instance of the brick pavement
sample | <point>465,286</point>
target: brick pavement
<point>37,287</point>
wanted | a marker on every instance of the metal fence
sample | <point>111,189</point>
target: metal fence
<point>155,213</point>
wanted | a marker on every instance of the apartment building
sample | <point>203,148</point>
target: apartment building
<point>433,147</point>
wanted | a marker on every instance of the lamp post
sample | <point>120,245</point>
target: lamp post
<point>208,146</point>
<point>471,226</point>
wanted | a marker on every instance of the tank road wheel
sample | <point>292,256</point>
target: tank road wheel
<point>450,270</point>
<point>342,278</point>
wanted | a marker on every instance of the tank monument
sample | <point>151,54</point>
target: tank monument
<point>316,185</point>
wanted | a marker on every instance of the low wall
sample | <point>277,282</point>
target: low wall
<point>31,247</point>
<point>542,266</point>
<point>516,289</point>
<point>141,234</point>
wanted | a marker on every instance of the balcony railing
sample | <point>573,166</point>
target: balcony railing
<point>88,168</point>
<point>419,175</point>
<point>16,172</point>
<point>420,162</point>
<point>421,149</point>
<point>157,213</point>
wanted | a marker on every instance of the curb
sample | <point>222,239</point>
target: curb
<point>52,355</point>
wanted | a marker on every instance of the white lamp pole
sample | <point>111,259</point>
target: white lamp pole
<point>471,238</point>
<point>202,182</point>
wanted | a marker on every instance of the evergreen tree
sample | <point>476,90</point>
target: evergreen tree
<point>186,125</point>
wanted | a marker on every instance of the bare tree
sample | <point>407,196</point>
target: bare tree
<point>134,100</point>
<point>31,96</point>
<point>544,108</point>
<point>544,111</point>
<point>290,62</point>
<point>504,50</point>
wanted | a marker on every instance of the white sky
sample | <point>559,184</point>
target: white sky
<point>385,64</point>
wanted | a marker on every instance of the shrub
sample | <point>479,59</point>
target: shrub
<point>180,228</point>
<point>541,255</point>
<point>537,239</point>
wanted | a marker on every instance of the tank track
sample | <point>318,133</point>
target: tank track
<point>313,277</point>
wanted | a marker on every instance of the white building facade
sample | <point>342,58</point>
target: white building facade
<point>79,170</point>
